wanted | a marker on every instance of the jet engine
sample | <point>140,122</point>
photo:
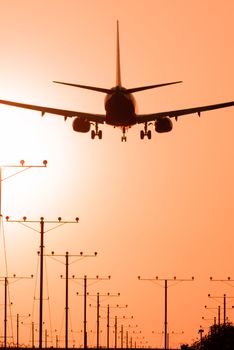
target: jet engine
<point>81,124</point>
<point>163,125</point>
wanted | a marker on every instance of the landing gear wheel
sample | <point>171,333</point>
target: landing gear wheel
<point>124,138</point>
<point>142,135</point>
<point>145,132</point>
<point>96,132</point>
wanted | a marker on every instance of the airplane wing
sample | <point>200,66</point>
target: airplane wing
<point>144,118</point>
<point>96,118</point>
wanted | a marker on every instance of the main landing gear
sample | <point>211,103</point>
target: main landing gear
<point>124,137</point>
<point>96,132</point>
<point>145,132</point>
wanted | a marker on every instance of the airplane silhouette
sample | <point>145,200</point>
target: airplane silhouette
<point>120,107</point>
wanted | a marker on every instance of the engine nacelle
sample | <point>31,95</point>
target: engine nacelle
<point>81,124</point>
<point>163,125</point>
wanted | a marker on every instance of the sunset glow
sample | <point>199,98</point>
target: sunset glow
<point>160,207</point>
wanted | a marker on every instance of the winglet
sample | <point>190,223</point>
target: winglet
<point>118,72</point>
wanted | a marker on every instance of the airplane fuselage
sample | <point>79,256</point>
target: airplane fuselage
<point>120,108</point>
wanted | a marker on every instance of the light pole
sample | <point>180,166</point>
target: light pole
<point>17,326</point>
<point>135,335</point>
<point>21,167</point>
<point>127,335</point>
<point>106,296</point>
<point>42,231</point>
<point>121,331</point>
<point>213,327</point>
<point>116,328</point>
<point>226,281</point>
<point>215,308</point>
<point>108,321</point>
<point>224,305</point>
<point>156,279</point>
<point>124,318</point>
<point>32,326</point>
<point>6,282</point>
<point>85,279</point>
<point>67,256</point>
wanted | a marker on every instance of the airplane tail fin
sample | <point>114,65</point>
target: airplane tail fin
<point>118,71</point>
<point>118,77</point>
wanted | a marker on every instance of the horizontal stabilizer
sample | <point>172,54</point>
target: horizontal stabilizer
<point>94,88</point>
<point>141,88</point>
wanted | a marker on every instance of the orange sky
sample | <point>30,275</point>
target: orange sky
<point>152,208</point>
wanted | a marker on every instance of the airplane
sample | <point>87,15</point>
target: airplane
<point>120,107</point>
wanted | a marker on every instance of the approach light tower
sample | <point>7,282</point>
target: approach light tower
<point>6,282</point>
<point>224,297</point>
<point>175,280</point>
<point>216,309</point>
<point>20,168</point>
<point>108,321</point>
<point>85,279</point>
<point>67,256</point>
<point>42,231</point>
<point>98,306</point>
<point>228,282</point>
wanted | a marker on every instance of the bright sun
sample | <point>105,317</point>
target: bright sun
<point>25,135</point>
<point>18,135</point>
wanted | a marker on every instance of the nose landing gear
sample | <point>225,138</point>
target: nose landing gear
<point>96,132</point>
<point>145,132</point>
<point>124,137</point>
